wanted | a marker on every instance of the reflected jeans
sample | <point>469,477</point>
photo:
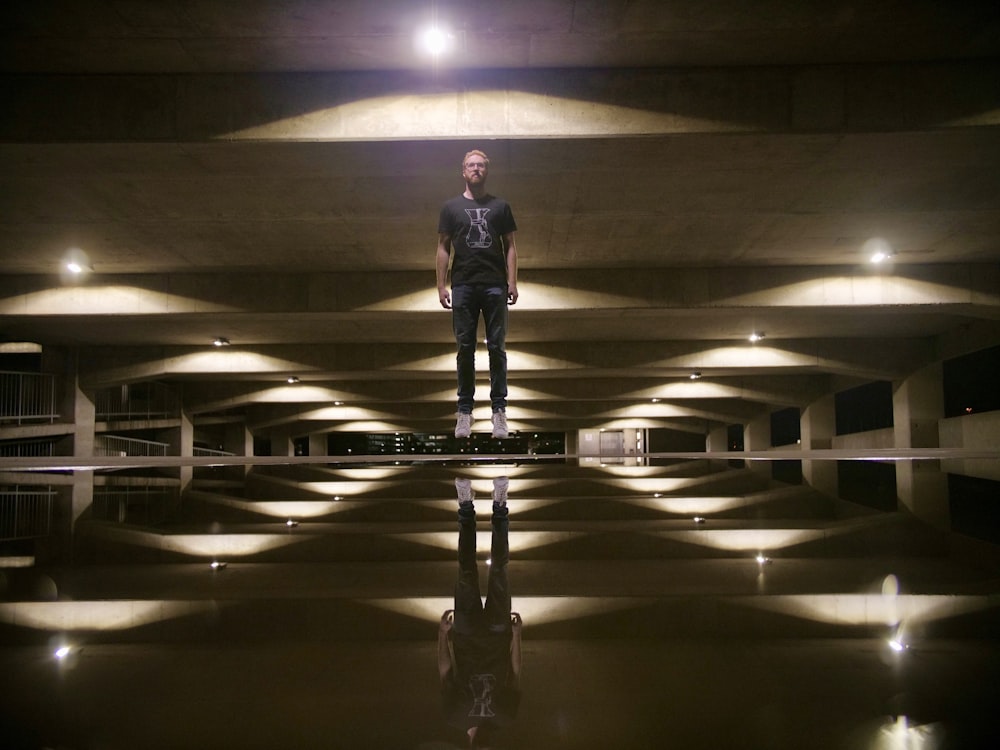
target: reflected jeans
<point>467,302</point>
<point>471,615</point>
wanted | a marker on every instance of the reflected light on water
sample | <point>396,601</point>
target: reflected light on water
<point>900,733</point>
<point>97,615</point>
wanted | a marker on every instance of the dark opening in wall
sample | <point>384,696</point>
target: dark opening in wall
<point>975,506</point>
<point>786,427</point>
<point>734,437</point>
<point>970,383</point>
<point>867,407</point>
<point>789,472</point>
<point>868,483</point>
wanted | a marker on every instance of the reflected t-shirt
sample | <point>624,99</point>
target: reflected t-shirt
<point>479,690</point>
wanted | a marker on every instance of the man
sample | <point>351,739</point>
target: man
<point>479,646</point>
<point>480,228</point>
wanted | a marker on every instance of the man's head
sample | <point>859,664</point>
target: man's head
<point>475,165</point>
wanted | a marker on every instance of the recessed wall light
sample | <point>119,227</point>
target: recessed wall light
<point>695,376</point>
<point>756,336</point>
<point>292,380</point>
<point>221,341</point>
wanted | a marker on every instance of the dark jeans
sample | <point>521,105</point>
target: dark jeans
<point>471,616</point>
<point>467,302</point>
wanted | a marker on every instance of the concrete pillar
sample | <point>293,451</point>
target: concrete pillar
<point>757,437</point>
<point>817,426</point>
<point>186,450</point>
<point>317,444</point>
<point>717,440</point>
<point>917,408</point>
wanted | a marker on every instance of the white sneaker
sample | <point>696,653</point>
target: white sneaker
<point>500,424</point>
<point>463,427</point>
<point>500,485</point>
<point>463,486</point>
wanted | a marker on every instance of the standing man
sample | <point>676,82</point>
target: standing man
<point>480,227</point>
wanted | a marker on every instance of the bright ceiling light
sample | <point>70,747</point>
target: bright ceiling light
<point>878,250</point>
<point>756,336</point>
<point>221,341</point>
<point>695,376</point>
<point>435,41</point>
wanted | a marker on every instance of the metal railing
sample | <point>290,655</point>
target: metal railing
<point>199,451</point>
<point>116,445</point>
<point>136,401</point>
<point>27,397</point>
<point>138,505</point>
<point>25,513</point>
<point>44,447</point>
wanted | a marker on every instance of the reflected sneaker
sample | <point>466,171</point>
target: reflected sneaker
<point>500,424</point>
<point>500,485</point>
<point>463,487</point>
<point>463,427</point>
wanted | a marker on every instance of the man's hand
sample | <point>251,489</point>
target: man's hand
<point>511,294</point>
<point>447,620</point>
<point>515,621</point>
<point>445,297</point>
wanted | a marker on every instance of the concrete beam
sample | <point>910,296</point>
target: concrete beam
<point>500,103</point>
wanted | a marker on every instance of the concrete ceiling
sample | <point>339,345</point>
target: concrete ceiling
<point>681,176</point>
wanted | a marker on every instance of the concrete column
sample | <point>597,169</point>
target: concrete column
<point>717,440</point>
<point>757,437</point>
<point>317,444</point>
<point>818,425</point>
<point>917,408</point>
<point>186,449</point>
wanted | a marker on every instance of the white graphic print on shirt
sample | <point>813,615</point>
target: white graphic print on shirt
<point>482,686</point>
<point>479,235</point>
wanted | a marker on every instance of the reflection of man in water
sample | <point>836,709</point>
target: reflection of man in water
<point>479,646</point>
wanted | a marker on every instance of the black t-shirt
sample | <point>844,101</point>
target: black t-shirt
<point>476,228</point>
<point>482,691</point>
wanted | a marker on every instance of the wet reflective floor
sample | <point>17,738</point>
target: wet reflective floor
<point>695,604</point>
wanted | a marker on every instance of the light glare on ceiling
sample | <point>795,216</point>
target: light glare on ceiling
<point>435,41</point>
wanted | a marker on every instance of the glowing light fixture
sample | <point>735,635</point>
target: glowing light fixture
<point>896,645</point>
<point>695,376</point>
<point>878,250</point>
<point>763,560</point>
<point>62,652</point>
<point>77,262</point>
<point>291,523</point>
<point>435,41</point>
<point>699,519</point>
<point>221,341</point>
<point>218,565</point>
<point>292,380</point>
<point>756,336</point>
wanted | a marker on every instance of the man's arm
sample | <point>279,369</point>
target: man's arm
<point>441,265</point>
<point>444,645</point>
<point>511,246</point>
<point>515,648</point>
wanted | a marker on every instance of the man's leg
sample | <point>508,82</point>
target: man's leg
<point>468,604</point>
<point>465,322</point>
<point>495,314</point>
<point>497,608</point>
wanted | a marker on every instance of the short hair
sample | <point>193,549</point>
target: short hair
<point>475,152</point>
